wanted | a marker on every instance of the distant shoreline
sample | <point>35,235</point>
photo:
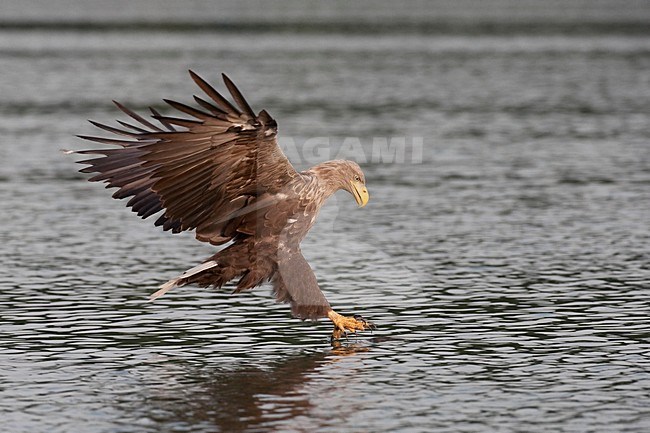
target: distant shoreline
<point>371,27</point>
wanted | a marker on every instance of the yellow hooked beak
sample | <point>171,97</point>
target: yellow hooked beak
<point>360,193</point>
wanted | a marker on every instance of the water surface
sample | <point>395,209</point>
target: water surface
<point>507,267</point>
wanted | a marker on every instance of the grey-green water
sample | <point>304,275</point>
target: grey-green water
<point>507,267</point>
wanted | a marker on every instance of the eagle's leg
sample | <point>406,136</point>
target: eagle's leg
<point>343,324</point>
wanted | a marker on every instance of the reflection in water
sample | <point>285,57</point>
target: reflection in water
<point>248,398</point>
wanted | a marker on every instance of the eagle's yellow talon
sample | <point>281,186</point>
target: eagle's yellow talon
<point>343,325</point>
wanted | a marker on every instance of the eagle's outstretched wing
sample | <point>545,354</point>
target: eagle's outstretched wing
<point>203,174</point>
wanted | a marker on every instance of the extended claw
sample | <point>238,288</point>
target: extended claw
<point>367,323</point>
<point>343,325</point>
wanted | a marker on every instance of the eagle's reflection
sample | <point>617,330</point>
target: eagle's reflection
<point>247,398</point>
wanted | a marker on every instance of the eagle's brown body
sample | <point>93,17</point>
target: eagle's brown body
<point>267,245</point>
<point>224,176</point>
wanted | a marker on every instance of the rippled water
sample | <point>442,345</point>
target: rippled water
<point>507,268</point>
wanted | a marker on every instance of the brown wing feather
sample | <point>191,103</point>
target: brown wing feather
<point>200,175</point>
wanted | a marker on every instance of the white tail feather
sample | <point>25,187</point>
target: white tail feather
<point>174,281</point>
<point>164,289</point>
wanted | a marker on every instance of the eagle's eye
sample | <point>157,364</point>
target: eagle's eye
<point>357,178</point>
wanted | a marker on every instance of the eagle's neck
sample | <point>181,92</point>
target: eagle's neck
<point>327,176</point>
